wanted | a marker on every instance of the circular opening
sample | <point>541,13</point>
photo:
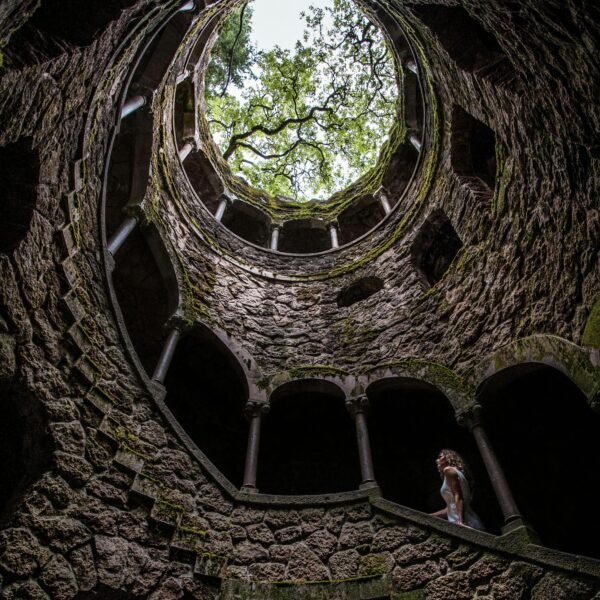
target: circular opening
<point>303,110</point>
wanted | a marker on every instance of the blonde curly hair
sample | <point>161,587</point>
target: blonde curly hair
<point>455,460</point>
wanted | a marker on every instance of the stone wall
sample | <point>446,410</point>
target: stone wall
<point>128,507</point>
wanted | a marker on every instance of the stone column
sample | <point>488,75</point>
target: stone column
<point>333,234</point>
<point>221,208</point>
<point>132,105</point>
<point>185,150</point>
<point>182,77</point>
<point>168,350</point>
<point>254,411</point>
<point>121,235</point>
<point>187,6</point>
<point>471,418</point>
<point>383,199</point>
<point>275,237</point>
<point>414,140</point>
<point>358,407</point>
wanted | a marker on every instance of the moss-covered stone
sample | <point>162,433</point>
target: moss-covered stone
<point>591,333</point>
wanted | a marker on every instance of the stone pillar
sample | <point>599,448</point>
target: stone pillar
<point>221,208</point>
<point>385,203</point>
<point>187,6</point>
<point>118,239</point>
<point>358,409</point>
<point>132,105</point>
<point>333,234</point>
<point>471,418</point>
<point>254,411</point>
<point>182,77</point>
<point>275,237</point>
<point>185,150</point>
<point>411,65</point>
<point>414,140</point>
<point>166,356</point>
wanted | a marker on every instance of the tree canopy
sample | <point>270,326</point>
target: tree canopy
<point>307,122</point>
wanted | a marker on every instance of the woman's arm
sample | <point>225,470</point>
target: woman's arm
<point>451,475</point>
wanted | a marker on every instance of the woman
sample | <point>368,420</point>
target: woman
<point>456,491</point>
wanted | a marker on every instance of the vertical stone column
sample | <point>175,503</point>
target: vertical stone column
<point>168,351</point>
<point>358,407</point>
<point>132,105</point>
<point>472,419</point>
<point>121,235</point>
<point>333,234</point>
<point>187,6</point>
<point>275,237</point>
<point>414,140</point>
<point>185,150</point>
<point>224,201</point>
<point>383,200</point>
<point>182,76</point>
<point>254,411</point>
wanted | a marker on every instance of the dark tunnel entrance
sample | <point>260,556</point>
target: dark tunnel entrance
<point>409,423</point>
<point>547,439</point>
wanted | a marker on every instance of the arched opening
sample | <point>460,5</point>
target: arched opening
<point>413,103</point>
<point>248,222</point>
<point>147,292</point>
<point>473,147</point>
<point>303,236</point>
<point>435,247</point>
<point>19,174</point>
<point>129,169</point>
<point>400,170</point>
<point>409,422</point>
<point>308,441</point>
<point>547,439</point>
<point>203,179</point>
<point>468,43</point>
<point>359,290</point>
<point>25,448</point>
<point>206,392</point>
<point>159,54</point>
<point>58,26</point>
<point>359,218</point>
<point>185,112</point>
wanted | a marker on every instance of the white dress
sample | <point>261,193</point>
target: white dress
<point>471,519</point>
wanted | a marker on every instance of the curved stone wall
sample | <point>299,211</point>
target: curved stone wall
<point>130,506</point>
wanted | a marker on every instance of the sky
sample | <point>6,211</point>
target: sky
<point>278,21</point>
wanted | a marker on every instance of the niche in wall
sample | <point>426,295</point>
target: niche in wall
<point>19,174</point>
<point>468,43</point>
<point>207,392</point>
<point>308,442</point>
<point>473,147</point>
<point>359,290</point>
<point>547,439</point>
<point>25,448</point>
<point>58,26</point>
<point>409,422</point>
<point>147,292</point>
<point>435,247</point>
